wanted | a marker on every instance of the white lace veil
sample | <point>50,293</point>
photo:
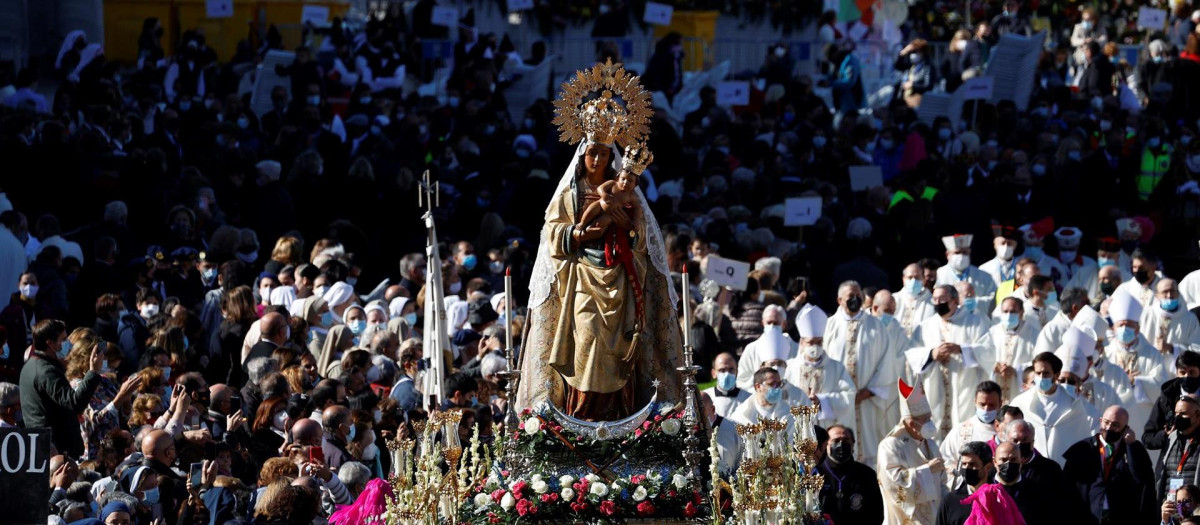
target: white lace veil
<point>542,281</point>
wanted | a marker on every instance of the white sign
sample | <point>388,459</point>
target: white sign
<point>519,5</point>
<point>658,14</point>
<point>445,16</point>
<point>865,177</point>
<point>218,8</point>
<point>1151,18</point>
<point>736,93</point>
<point>978,88</point>
<point>801,211</point>
<point>317,15</point>
<point>727,272</point>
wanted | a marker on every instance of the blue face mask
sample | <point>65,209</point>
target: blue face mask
<point>470,261</point>
<point>327,319</point>
<point>774,395</point>
<point>411,319</point>
<point>166,372</point>
<point>1126,334</point>
<point>914,286</point>
<point>1153,142</point>
<point>209,274</point>
<point>1052,297</point>
<point>1045,384</point>
<point>1070,389</point>
<point>350,438</point>
<point>186,343</point>
<point>944,133</point>
<point>357,327</point>
<point>887,318</point>
<point>1011,320</point>
<point>987,416</point>
<point>726,381</point>
<point>969,303</point>
<point>64,349</point>
<point>1170,305</point>
<point>150,497</point>
<point>1104,261</point>
<point>819,141</point>
<point>1033,252</point>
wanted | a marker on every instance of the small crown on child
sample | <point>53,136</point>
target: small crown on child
<point>638,158</point>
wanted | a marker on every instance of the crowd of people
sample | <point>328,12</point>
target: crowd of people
<point>220,313</point>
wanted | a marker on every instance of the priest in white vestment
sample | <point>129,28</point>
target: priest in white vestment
<point>1108,253</point>
<point>729,445</point>
<point>883,307</point>
<point>1059,418</point>
<point>911,471</point>
<point>1050,337</point>
<point>771,399</point>
<point>1014,341</point>
<point>1042,302</point>
<point>958,269</point>
<point>1077,353</point>
<point>815,372</point>
<point>1189,290</point>
<point>725,394</point>
<point>774,318</point>
<point>856,339</point>
<point>981,427</point>
<point>1003,267</point>
<point>1170,327</point>
<point>1145,278</point>
<point>1035,238</point>
<point>1143,367</point>
<point>1082,271</point>
<point>951,354</point>
<point>913,302</point>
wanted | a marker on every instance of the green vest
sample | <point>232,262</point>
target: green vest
<point>1153,168</point>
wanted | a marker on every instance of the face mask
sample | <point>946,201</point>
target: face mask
<point>774,395</point>
<point>29,291</point>
<point>320,291</point>
<point>969,476</point>
<point>887,144</point>
<point>1170,305</point>
<point>1011,320</point>
<point>166,372</point>
<point>243,123</point>
<point>247,258</point>
<point>813,352</point>
<point>969,304</point>
<point>886,318</point>
<point>314,100</point>
<point>726,381</point>
<point>854,304</point>
<point>64,349</point>
<point>470,261</point>
<point>370,452</point>
<point>941,308</point>
<point>1153,142</point>
<point>1142,276</point>
<point>1105,261</point>
<point>1112,436</point>
<point>1069,389</point>
<point>1127,335</point>
<point>1045,384</point>
<point>914,286</point>
<point>819,141</point>
<point>496,267</point>
<point>1052,297</point>
<point>959,262</point>
<point>350,436</point>
<point>1183,423</point>
<point>1033,252</point>
<point>208,275</point>
<point>4,351</point>
<point>150,497</point>
<point>411,319</point>
<point>987,416</point>
<point>1190,384</point>
<point>1009,472</point>
<point>327,319</point>
<point>840,451</point>
<point>944,133</point>
<point>357,327</point>
<point>280,421</point>
<point>1105,125</point>
<point>1074,155</point>
<point>149,310</point>
<point>456,287</point>
<point>1006,252</point>
<point>352,281</point>
<point>928,431</point>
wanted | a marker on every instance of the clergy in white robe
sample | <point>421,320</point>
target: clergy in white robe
<point>856,339</point>
<point>1035,238</point>
<point>913,303</point>
<point>883,307</point>
<point>1143,367</point>
<point>729,445</point>
<point>1168,325</point>
<point>1080,269</point>
<point>772,399</point>
<point>1078,353</point>
<point>1189,290</point>
<point>1014,340</point>
<point>815,372</point>
<point>1003,267</point>
<point>1026,269</point>
<point>1043,299</point>
<point>981,427</point>
<point>725,394</point>
<point>958,269</point>
<point>951,354</point>
<point>1050,337</point>
<point>1145,278</point>
<point>774,317</point>
<point>911,471</point>
<point>1059,418</point>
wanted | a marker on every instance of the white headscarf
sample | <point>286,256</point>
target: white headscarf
<point>338,294</point>
<point>456,314</point>
<point>282,296</point>
<point>543,278</point>
<point>67,44</point>
<point>396,307</point>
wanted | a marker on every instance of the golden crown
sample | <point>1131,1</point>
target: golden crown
<point>604,104</point>
<point>638,158</point>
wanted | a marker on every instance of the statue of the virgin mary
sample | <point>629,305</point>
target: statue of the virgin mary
<point>590,348</point>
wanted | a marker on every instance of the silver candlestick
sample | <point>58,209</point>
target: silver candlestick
<point>696,425</point>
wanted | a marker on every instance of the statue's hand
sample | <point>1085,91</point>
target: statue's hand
<point>620,217</point>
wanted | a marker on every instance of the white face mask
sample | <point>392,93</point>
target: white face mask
<point>280,421</point>
<point>928,431</point>
<point>813,352</point>
<point>959,262</point>
<point>1006,252</point>
<point>456,287</point>
<point>149,310</point>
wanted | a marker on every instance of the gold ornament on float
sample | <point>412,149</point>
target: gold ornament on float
<point>605,105</point>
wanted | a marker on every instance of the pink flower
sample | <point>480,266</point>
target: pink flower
<point>498,495</point>
<point>658,418</point>
<point>523,507</point>
<point>637,432</point>
<point>646,425</point>
<point>690,510</point>
<point>504,473</point>
<point>645,508</point>
<point>493,518</point>
<point>671,493</point>
<point>608,507</point>
<point>546,497</point>
<point>637,478</point>
<point>518,488</point>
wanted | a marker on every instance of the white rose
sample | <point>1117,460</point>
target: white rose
<point>508,502</point>
<point>680,481</point>
<point>640,493</point>
<point>566,480</point>
<point>598,489</point>
<point>482,500</point>
<point>535,477</point>
<point>592,478</point>
<point>493,482</point>
<point>671,426</point>
<point>540,486</point>
<point>567,494</point>
<point>533,425</point>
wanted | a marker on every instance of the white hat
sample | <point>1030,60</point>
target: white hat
<point>915,404</point>
<point>1124,307</point>
<point>1074,360</point>
<point>1068,237</point>
<point>1081,339</point>
<point>1090,322</point>
<point>773,345</point>
<point>497,301</point>
<point>396,307</point>
<point>338,294</point>
<point>810,322</point>
<point>957,241</point>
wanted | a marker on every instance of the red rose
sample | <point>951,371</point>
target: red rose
<point>690,510</point>
<point>493,518</point>
<point>504,473</point>
<point>523,507</point>
<point>498,495</point>
<point>553,496</point>
<point>637,478</point>
<point>698,498</point>
<point>608,507</point>
<point>545,498</point>
<point>646,425</point>
<point>671,493</point>
<point>645,508</point>
<point>518,488</point>
<point>637,433</point>
<point>658,418</point>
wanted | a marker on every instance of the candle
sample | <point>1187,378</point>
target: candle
<point>508,346</point>
<point>687,325</point>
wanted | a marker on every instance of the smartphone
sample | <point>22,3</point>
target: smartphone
<point>797,285</point>
<point>316,455</point>
<point>196,472</point>
<point>235,403</point>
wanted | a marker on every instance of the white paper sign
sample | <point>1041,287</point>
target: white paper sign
<point>658,14</point>
<point>445,16</point>
<point>978,88</point>
<point>1151,18</point>
<point>735,93</point>
<point>519,5</point>
<point>317,15</point>
<point>801,211</point>
<point>727,272</point>
<point>865,177</point>
<point>218,8</point>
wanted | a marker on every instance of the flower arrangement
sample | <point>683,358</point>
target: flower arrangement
<point>541,441</point>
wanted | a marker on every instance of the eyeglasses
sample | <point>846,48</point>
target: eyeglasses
<point>1072,382</point>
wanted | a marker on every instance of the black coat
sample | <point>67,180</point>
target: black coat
<point>1154,434</point>
<point>953,511</point>
<point>49,401</point>
<point>1128,487</point>
<point>861,501</point>
<point>1037,505</point>
<point>1097,78</point>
